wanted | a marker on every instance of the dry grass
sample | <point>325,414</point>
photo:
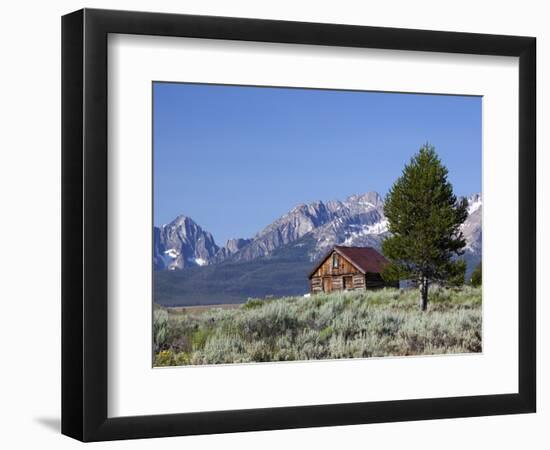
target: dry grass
<point>379,323</point>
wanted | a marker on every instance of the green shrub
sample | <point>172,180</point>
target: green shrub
<point>475,279</point>
<point>200,337</point>
<point>326,333</point>
<point>253,303</point>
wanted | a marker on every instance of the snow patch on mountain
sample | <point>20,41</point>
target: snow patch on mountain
<point>182,243</point>
<point>474,203</point>
<point>358,231</point>
<point>312,228</point>
<point>171,253</point>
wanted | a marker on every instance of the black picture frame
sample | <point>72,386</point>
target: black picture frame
<point>84,224</point>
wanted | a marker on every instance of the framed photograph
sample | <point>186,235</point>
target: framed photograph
<point>272,224</point>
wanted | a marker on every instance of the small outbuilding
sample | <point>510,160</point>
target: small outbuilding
<point>349,268</point>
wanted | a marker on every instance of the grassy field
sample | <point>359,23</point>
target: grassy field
<point>378,323</point>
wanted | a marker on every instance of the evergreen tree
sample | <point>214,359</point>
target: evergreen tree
<point>424,221</point>
<point>475,279</point>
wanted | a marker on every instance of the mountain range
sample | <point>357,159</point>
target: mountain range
<point>289,244</point>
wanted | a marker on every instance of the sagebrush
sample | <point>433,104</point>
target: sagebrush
<point>364,324</point>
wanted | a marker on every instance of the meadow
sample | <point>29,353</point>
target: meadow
<point>364,324</point>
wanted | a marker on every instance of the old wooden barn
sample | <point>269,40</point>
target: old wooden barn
<point>349,268</point>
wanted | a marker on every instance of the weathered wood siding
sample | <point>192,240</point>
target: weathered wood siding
<point>348,282</point>
<point>337,283</point>
<point>344,267</point>
<point>345,276</point>
<point>359,281</point>
<point>316,285</point>
<point>327,284</point>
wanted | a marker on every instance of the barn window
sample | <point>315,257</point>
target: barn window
<point>335,261</point>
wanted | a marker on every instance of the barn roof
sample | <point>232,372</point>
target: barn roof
<point>365,259</point>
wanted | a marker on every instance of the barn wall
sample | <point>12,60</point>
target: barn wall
<point>328,279</point>
<point>336,283</point>
<point>316,285</point>
<point>359,281</point>
<point>344,267</point>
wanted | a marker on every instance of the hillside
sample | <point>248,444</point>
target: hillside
<point>191,269</point>
<point>284,273</point>
<point>326,326</point>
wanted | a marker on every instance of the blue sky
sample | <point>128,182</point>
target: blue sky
<point>236,158</point>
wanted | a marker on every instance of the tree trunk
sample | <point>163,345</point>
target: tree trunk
<point>424,284</point>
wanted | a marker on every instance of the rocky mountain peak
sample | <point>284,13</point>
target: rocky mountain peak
<point>313,227</point>
<point>182,243</point>
<point>367,200</point>
<point>471,228</point>
<point>474,203</point>
<point>231,247</point>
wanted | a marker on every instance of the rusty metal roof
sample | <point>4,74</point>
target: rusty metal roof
<point>365,259</point>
